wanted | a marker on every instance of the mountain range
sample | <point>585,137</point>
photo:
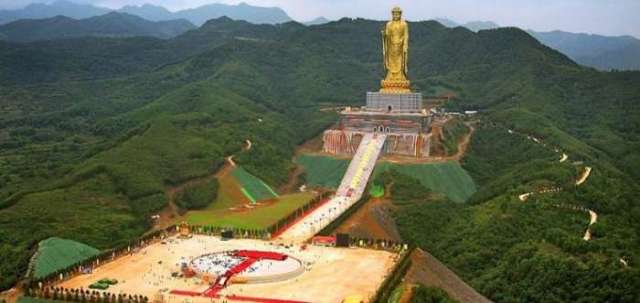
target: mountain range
<point>317,21</point>
<point>111,24</point>
<point>601,52</point>
<point>57,8</point>
<point>472,25</point>
<point>197,16</point>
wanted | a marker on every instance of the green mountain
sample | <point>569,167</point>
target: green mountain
<point>471,25</point>
<point>108,25</point>
<point>601,52</point>
<point>56,8</point>
<point>480,25</point>
<point>94,130</point>
<point>148,11</point>
<point>198,15</point>
<point>242,11</point>
<point>317,21</point>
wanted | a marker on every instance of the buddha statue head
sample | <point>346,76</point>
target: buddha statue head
<point>396,13</point>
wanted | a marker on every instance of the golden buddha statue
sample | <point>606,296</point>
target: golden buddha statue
<point>395,50</point>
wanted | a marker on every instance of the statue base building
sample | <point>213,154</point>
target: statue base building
<point>400,116</point>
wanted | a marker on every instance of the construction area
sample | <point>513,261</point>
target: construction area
<point>287,269</point>
<point>328,274</point>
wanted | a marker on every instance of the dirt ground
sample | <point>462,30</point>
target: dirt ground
<point>330,275</point>
<point>373,220</point>
<point>463,144</point>
<point>290,186</point>
<point>428,270</point>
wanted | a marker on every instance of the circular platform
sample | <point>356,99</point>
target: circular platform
<point>260,270</point>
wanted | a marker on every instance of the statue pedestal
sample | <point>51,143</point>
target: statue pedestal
<point>395,86</point>
<point>396,102</point>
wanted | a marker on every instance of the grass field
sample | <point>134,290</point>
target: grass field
<point>259,217</point>
<point>447,178</point>
<point>55,254</point>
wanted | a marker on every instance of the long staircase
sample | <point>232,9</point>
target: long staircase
<point>355,179</point>
<point>349,192</point>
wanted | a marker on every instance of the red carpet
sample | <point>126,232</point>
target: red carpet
<point>255,254</point>
<point>212,292</point>
<point>251,257</point>
<point>240,267</point>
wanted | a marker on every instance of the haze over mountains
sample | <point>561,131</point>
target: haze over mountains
<point>197,16</point>
<point>112,24</point>
<point>601,52</point>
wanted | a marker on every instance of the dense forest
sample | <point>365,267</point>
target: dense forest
<point>93,130</point>
<point>533,251</point>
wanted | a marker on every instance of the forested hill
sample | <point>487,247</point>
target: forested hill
<point>94,129</point>
<point>108,25</point>
<point>196,15</point>
<point>601,52</point>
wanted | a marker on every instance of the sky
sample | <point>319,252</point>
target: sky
<point>606,17</point>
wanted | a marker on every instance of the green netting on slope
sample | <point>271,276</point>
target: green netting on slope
<point>323,171</point>
<point>55,254</point>
<point>448,178</point>
<point>252,187</point>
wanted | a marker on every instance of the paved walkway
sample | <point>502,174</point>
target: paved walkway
<point>349,192</point>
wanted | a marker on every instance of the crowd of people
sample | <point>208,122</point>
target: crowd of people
<point>216,264</point>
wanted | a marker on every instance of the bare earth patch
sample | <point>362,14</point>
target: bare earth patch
<point>330,273</point>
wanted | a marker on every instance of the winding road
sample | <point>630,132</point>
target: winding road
<point>593,216</point>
